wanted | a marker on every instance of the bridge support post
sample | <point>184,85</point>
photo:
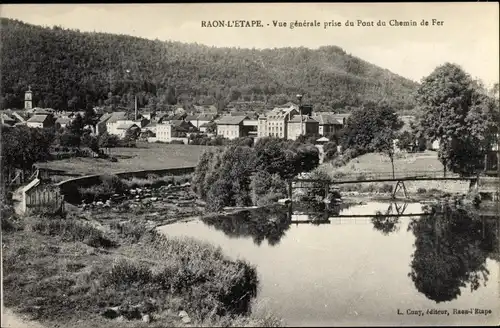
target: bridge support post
<point>327,190</point>
<point>399,185</point>
<point>290,191</point>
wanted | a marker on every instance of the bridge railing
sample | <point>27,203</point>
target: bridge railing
<point>369,176</point>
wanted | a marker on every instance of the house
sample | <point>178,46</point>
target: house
<point>62,122</point>
<point>164,132</point>
<point>126,127</point>
<point>208,127</point>
<point>172,117</point>
<point>274,124</point>
<point>40,121</point>
<point>101,124</point>
<point>199,120</point>
<point>181,128</point>
<point>150,127</point>
<point>301,125</point>
<point>328,123</point>
<point>231,127</point>
<point>113,121</point>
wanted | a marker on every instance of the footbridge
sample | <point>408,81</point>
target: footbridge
<point>397,177</point>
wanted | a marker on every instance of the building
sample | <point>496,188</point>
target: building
<point>164,132</point>
<point>328,123</point>
<point>111,122</point>
<point>204,119</point>
<point>274,124</point>
<point>40,121</point>
<point>62,122</point>
<point>231,127</point>
<point>127,127</point>
<point>301,125</point>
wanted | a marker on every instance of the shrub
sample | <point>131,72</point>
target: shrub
<point>385,188</point>
<point>267,188</point>
<point>421,190</point>
<point>125,273</point>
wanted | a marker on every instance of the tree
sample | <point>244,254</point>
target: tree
<point>107,140</point>
<point>88,140</point>
<point>459,113</point>
<point>77,125</point>
<point>330,150</point>
<point>406,141</point>
<point>69,139</point>
<point>371,128</point>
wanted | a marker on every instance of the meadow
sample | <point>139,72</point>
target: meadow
<point>404,163</point>
<point>146,156</point>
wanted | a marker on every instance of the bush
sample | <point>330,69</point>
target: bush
<point>386,188</point>
<point>267,188</point>
<point>125,273</point>
<point>421,190</point>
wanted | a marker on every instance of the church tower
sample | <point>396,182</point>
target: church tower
<point>28,99</point>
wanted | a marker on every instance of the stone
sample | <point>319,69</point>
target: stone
<point>154,199</point>
<point>186,320</point>
<point>99,203</point>
<point>183,314</point>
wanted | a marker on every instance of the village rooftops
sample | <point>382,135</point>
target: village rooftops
<point>126,126</point>
<point>231,120</point>
<point>305,119</point>
<point>116,116</point>
<point>207,117</point>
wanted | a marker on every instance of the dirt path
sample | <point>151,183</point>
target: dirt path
<point>13,320</point>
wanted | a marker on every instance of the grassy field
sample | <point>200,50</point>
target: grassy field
<point>80,272</point>
<point>403,163</point>
<point>426,161</point>
<point>147,156</point>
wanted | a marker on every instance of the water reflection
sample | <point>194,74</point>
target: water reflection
<point>268,223</point>
<point>388,222</point>
<point>451,248</point>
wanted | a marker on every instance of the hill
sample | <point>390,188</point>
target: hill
<point>73,69</point>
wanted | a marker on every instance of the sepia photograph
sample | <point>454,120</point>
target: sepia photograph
<point>250,165</point>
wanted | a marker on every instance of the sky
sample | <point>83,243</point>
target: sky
<point>468,36</point>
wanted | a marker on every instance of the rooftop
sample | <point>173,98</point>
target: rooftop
<point>38,118</point>
<point>305,119</point>
<point>231,120</point>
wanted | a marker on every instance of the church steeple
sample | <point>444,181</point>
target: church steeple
<point>28,99</point>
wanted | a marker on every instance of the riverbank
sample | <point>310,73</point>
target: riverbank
<point>77,271</point>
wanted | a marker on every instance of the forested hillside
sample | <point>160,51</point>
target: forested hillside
<point>68,69</point>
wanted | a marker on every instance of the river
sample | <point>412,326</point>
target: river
<point>364,271</point>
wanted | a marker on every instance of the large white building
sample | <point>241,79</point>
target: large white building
<point>164,132</point>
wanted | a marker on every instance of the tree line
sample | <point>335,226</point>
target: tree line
<point>68,69</point>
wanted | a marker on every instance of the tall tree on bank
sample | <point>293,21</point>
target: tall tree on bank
<point>372,128</point>
<point>457,111</point>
